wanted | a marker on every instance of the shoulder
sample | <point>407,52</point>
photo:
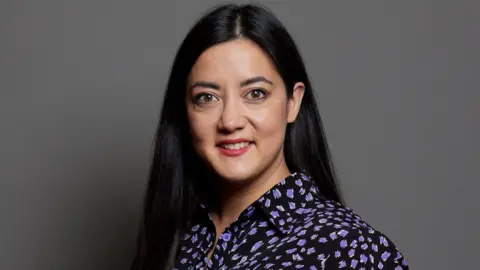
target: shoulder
<point>343,239</point>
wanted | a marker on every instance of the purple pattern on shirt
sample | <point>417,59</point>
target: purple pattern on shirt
<point>290,227</point>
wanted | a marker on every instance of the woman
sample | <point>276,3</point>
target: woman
<point>241,175</point>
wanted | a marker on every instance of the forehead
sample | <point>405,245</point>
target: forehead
<point>236,60</point>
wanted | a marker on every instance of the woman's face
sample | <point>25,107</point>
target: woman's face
<point>238,110</point>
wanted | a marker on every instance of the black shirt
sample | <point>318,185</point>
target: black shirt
<point>290,227</point>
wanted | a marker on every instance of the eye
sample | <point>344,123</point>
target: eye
<point>205,98</point>
<point>256,94</point>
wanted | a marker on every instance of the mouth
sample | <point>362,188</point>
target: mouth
<point>234,148</point>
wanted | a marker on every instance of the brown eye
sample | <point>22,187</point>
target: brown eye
<point>256,94</point>
<point>205,98</point>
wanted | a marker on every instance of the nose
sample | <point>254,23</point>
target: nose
<point>232,117</point>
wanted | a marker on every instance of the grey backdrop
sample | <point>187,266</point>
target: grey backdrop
<point>81,86</point>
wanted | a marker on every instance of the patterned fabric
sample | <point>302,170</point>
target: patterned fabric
<point>290,227</point>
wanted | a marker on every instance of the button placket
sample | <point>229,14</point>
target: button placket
<point>222,248</point>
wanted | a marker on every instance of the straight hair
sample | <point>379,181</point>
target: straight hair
<point>178,179</point>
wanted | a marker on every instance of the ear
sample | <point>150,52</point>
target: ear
<point>295,101</point>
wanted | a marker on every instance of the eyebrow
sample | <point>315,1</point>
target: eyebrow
<point>244,83</point>
<point>255,80</point>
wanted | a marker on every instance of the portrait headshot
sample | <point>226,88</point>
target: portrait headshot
<point>241,176</point>
<point>239,135</point>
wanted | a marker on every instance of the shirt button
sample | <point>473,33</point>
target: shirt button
<point>226,236</point>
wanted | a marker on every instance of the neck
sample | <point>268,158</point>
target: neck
<point>236,197</point>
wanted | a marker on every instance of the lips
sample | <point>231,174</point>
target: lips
<point>235,147</point>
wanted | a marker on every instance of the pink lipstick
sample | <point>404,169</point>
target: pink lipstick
<point>233,148</point>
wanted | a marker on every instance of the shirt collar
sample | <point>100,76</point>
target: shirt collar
<point>286,203</point>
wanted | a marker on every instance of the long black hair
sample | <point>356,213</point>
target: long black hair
<point>176,173</point>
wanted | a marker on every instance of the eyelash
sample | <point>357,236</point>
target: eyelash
<point>263,92</point>
<point>197,98</point>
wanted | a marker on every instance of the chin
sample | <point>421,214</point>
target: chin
<point>236,176</point>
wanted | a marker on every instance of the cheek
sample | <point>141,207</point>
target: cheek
<point>271,122</point>
<point>202,128</point>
